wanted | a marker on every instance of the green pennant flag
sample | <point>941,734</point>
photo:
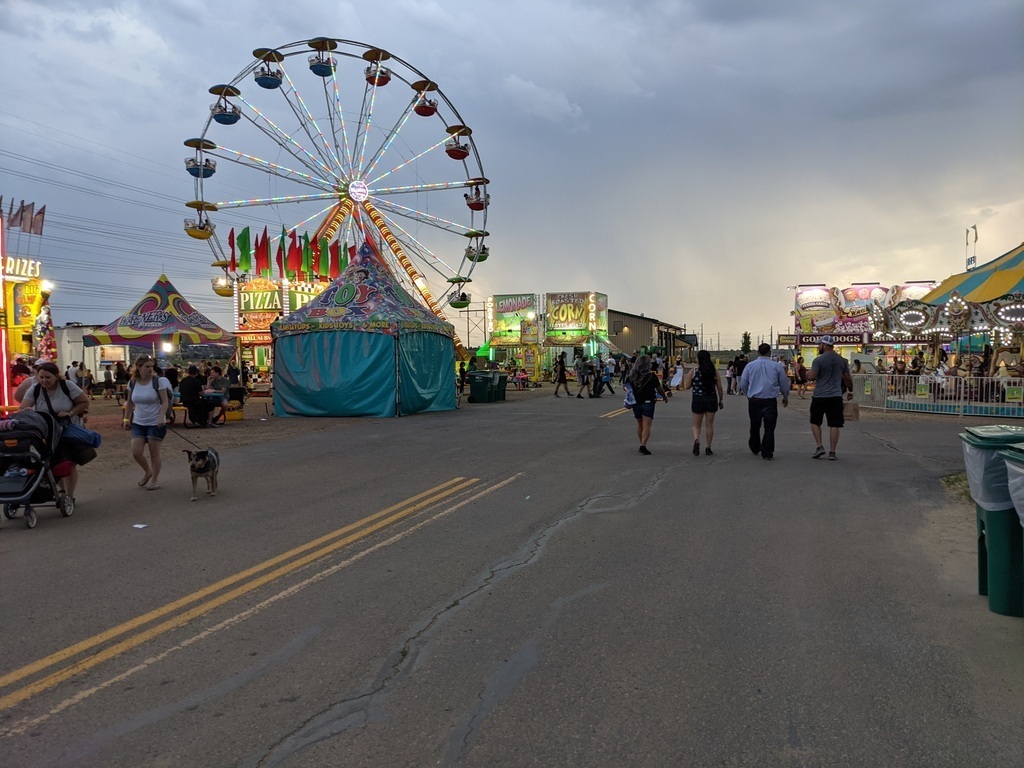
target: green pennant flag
<point>343,257</point>
<point>307,255</point>
<point>244,251</point>
<point>324,268</point>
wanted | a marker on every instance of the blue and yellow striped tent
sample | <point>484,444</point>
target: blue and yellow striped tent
<point>1000,277</point>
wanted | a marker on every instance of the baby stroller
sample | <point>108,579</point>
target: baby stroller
<point>28,475</point>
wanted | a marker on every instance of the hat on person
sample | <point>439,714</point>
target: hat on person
<point>828,341</point>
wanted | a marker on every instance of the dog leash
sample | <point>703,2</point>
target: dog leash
<point>170,429</point>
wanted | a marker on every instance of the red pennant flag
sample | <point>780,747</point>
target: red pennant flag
<point>264,254</point>
<point>26,218</point>
<point>280,253</point>
<point>231,245</point>
<point>294,263</point>
<point>37,222</point>
<point>256,247</point>
<point>332,267</point>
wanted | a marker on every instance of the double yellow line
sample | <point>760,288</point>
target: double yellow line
<point>616,412</point>
<point>293,560</point>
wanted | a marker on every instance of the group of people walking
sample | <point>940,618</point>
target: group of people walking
<point>763,381</point>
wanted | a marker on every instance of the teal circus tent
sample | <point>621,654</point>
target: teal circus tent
<point>363,347</point>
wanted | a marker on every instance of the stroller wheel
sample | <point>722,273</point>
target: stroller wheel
<point>10,511</point>
<point>30,517</point>
<point>66,505</point>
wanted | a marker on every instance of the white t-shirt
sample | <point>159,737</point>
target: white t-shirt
<point>147,401</point>
<point>58,400</point>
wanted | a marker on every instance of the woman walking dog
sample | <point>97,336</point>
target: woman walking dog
<point>145,414</point>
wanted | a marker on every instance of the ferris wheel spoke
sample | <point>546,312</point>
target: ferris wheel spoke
<point>411,160</point>
<point>367,123</point>
<point>319,142</point>
<point>255,201</point>
<point>392,135</point>
<point>425,255</point>
<point>266,166</point>
<point>283,139</point>
<point>461,184</point>
<point>420,216</point>
<point>336,113</point>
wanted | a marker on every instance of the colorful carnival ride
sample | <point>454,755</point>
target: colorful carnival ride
<point>987,301</point>
<point>338,152</point>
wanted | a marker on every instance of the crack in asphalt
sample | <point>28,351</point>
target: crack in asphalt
<point>893,447</point>
<point>503,684</point>
<point>365,706</point>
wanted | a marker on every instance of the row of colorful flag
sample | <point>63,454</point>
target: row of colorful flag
<point>301,260</point>
<point>26,218</point>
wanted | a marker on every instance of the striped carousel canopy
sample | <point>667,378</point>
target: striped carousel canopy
<point>998,278</point>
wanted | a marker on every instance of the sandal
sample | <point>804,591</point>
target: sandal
<point>144,481</point>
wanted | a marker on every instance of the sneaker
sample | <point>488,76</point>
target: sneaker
<point>818,452</point>
<point>644,451</point>
<point>579,397</point>
<point>708,451</point>
<point>831,455</point>
<point>696,447</point>
<point>768,458</point>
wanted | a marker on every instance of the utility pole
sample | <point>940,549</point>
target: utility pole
<point>702,335</point>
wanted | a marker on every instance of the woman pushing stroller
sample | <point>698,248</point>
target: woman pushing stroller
<point>65,401</point>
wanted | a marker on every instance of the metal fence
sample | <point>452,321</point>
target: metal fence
<point>931,393</point>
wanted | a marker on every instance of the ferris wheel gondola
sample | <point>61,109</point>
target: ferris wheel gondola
<point>333,150</point>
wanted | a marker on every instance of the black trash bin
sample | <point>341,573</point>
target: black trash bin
<point>501,380</point>
<point>480,388</point>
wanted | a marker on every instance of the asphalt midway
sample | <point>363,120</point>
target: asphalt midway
<point>512,584</point>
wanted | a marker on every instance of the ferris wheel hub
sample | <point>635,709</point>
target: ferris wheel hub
<point>358,191</point>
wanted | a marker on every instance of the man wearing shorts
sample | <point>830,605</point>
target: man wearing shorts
<point>829,372</point>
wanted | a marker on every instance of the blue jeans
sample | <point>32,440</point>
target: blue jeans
<point>766,412</point>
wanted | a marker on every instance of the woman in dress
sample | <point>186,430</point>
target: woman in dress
<point>66,401</point>
<point>145,414</point>
<point>677,377</point>
<point>646,388</point>
<point>707,400</point>
<point>560,377</point>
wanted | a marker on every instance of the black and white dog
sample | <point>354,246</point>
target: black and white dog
<point>205,463</point>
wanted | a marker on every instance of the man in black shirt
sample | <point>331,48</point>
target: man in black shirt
<point>190,394</point>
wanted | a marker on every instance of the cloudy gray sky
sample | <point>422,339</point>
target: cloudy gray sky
<point>690,159</point>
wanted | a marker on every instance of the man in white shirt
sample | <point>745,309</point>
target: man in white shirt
<point>763,380</point>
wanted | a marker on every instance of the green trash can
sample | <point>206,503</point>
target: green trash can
<point>480,388</point>
<point>502,382</point>
<point>1000,545</point>
<point>1014,460</point>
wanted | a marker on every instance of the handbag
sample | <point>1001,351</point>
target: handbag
<point>75,433</point>
<point>851,411</point>
<point>629,400</point>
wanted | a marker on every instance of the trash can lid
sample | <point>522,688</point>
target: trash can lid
<point>993,435</point>
<point>1013,452</point>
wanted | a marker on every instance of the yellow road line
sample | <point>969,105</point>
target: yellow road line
<point>21,726</point>
<point>613,414</point>
<point>418,501</point>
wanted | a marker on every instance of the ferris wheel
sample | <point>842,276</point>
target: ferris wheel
<point>318,138</point>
